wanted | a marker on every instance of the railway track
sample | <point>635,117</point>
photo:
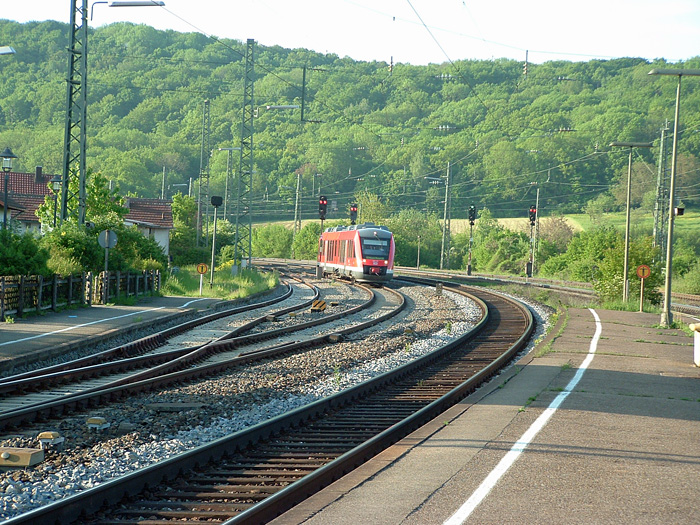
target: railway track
<point>88,387</point>
<point>253,475</point>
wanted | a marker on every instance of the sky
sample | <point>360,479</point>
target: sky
<point>419,32</point>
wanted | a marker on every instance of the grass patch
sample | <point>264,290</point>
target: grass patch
<point>631,306</point>
<point>247,282</point>
<point>547,348</point>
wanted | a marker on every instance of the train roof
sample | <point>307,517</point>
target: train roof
<point>363,226</point>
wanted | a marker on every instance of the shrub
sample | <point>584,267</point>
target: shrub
<point>22,255</point>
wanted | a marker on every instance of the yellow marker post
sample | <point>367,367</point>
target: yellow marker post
<point>202,268</point>
<point>643,271</point>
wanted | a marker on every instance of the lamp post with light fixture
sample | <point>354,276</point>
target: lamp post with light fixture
<point>666,315</point>
<point>56,185</point>
<point>7,158</point>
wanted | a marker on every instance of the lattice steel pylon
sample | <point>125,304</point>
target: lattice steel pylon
<point>204,156</point>
<point>661,204</point>
<point>72,204</point>
<point>244,217</point>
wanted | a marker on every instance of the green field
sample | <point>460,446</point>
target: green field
<point>687,224</point>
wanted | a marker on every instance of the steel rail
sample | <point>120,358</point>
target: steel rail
<point>141,345</point>
<point>464,353</point>
<point>186,367</point>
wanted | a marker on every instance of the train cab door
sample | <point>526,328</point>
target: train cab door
<point>343,261</point>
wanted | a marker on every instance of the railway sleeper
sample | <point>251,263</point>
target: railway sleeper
<point>222,488</point>
<point>233,493</point>
<point>145,516</point>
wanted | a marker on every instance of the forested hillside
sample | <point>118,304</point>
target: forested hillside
<point>372,128</point>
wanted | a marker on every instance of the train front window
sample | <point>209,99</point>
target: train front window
<point>373,248</point>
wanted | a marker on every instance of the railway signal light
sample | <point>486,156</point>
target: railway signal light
<point>353,213</point>
<point>322,206</point>
<point>533,215</point>
<point>472,215</point>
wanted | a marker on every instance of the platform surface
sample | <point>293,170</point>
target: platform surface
<point>621,446</point>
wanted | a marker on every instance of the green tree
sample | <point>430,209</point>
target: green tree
<point>22,255</point>
<point>609,284</point>
<point>273,240</point>
<point>411,228</point>
<point>584,254</point>
<point>73,249</point>
<point>497,249</point>
<point>100,201</point>
<point>305,244</point>
<point>371,208</point>
<point>183,236</point>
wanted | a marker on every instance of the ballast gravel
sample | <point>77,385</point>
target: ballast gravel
<point>140,434</point>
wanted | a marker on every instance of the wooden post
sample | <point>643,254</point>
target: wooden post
<point>2,298</point>
<point>70,289</point>
<point>20,298</point>
<point>40,293</point>
<point>54,293</point>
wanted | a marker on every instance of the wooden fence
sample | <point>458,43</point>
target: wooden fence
<point>33,293</point>
<point>121,285</point>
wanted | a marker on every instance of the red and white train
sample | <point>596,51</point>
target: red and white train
<point>363,252</point>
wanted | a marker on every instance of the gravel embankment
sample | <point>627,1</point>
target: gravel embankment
<point>142,432</point>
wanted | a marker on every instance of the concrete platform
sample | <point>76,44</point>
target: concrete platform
<point>621,446</point>
<point>38,337</point>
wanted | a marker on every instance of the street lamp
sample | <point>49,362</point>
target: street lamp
<point>666,315</point>
<point>625,269</point>
<point>7,157</point>
<point>129,3</point>
<point>75,128</point>
<point>56,185</point>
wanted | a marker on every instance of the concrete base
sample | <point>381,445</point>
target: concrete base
<point>20,457</point>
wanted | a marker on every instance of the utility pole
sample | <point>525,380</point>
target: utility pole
<point>297,207</point>
<point>445,249</point>
<point>537,228</point>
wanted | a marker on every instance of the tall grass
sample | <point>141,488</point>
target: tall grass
<point>226,286</point>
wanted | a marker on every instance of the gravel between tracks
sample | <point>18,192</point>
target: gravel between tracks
<point>143,432</point>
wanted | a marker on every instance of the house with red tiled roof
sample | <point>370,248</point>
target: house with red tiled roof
<point>27,191</point>
<point>152,217</point>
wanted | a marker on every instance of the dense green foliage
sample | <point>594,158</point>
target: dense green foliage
<point>381,139</point>
<point>21,255</point>
<point>380,131</point>
<point>70,248</point>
